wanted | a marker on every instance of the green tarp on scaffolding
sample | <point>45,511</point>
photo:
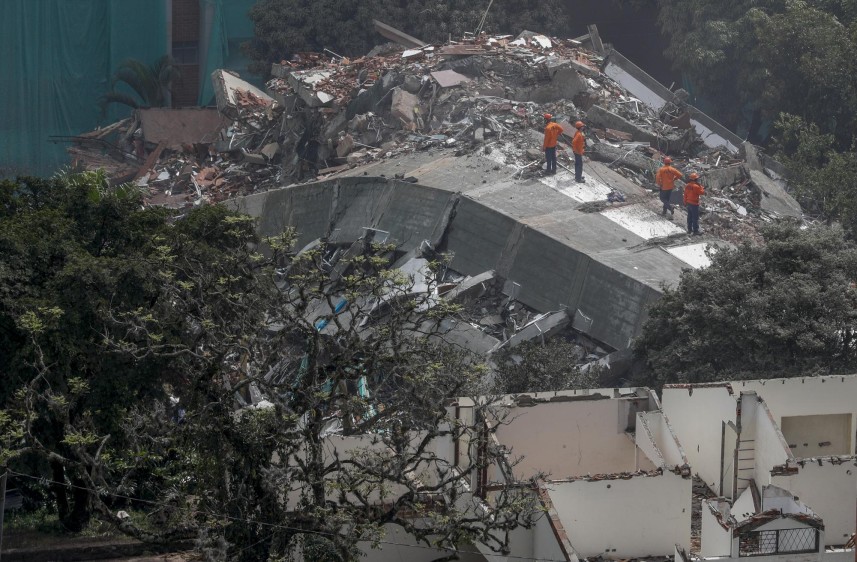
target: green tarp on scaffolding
<point>57,58</point>
<point>230,27</point>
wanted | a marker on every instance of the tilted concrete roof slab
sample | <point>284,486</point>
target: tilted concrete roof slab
<point>528,231</point>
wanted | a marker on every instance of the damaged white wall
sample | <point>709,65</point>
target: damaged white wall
<point>538,543</point>
<point>697,416</point>
<point>829,489</point>
<point>655,427</point>
<point>810,396</point>
<point>568,439</point>
<point>716,539</point>
<point>761,440</point>
<point>619,518</point>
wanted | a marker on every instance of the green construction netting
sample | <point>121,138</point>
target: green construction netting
<point>56,60</point>
<point>230,27</point>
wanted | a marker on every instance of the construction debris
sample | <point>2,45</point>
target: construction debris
<point>322,114</point>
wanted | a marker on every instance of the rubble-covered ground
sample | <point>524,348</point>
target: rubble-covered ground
<point>322,115</point>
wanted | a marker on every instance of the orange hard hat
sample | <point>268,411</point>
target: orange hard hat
<point>668,160</point>
<point>579,124</point>
<point>548,116</point>
<point>693,176</point>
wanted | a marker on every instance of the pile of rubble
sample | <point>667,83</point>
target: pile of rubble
<point>323,114</point>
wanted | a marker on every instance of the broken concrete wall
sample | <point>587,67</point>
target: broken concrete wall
<point>719,178</point>
<point>697,414</point>
<point>638,517</point>
<point>656,95</point>
<point>564,83</point>
<point>228,88</point>
<point>775,199</point>
<point>602,118</point>
<point>597,443</point>
<point>828,486</point>
<point>809,396</point>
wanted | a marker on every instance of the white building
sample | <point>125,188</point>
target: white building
<point>780,453</point>
<point>617,486</point>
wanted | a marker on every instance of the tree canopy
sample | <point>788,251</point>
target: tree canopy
<point>784,308</point>
<point>247,396</point>
<point>754,60</point>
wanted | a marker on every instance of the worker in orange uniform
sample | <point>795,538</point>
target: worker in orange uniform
<point>665,178</point>
<point>578,146</point>
<point>692,191</point>
<point>552,132</point>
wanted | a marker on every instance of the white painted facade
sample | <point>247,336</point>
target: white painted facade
<point>619,485</point>
<point>769,433</point>
<point>697,415</point>
<point>625,518</point>
<point>619,462</point>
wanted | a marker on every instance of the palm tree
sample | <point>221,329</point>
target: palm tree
<point>150,83</point>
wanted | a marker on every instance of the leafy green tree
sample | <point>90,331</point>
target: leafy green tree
<point>785,308</point>
<point>767,57</point>
<point>66,250</point>
<point>544,367</point>
<point>821,176</point>
<point>150,84</point>
<point>143,342</point>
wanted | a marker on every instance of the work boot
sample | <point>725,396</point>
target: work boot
<point>672,212</point>
<point>664,213</point>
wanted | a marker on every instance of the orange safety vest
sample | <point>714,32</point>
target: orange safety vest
<point>578,143</point>
<point>666,177</point>
<point>692,191</point>
<point>552,133</point>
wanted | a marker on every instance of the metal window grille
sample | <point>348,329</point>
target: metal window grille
<point>783,541</point>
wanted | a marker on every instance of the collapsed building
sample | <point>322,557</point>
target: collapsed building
<point>439,145</point>
<point>437,149</point>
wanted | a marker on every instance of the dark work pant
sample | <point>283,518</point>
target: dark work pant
<point>550,156</point>
<point>665,199</point>
<point>578,167</point>
<point>692,218</point>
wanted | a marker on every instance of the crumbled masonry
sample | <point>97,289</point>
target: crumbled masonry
<point>322,115</point>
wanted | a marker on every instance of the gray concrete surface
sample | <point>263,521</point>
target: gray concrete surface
<point>534,232</point>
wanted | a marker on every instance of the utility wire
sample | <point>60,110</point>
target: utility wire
<point>264,523</point>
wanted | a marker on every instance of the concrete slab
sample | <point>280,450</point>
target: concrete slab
<point>305,83</point>
<point>693,255</point>
<point>642,221</point>
<point>449,78</point>
<point>549,271</point>
<point>650,265</point>
<point>612,307</point>
<point>590,232</point>
<point>774,196</point>
<point>539,329</point>
<point>304,206</point>
<point>588,192</point>
<point>175,127</point>
<point>477,237</point>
